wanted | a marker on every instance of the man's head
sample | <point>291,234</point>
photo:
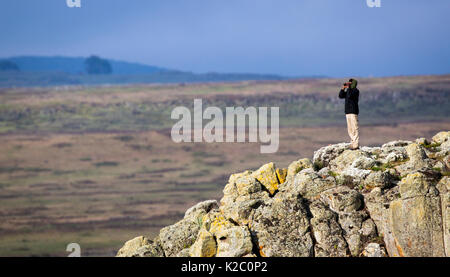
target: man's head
<point>353,83</point>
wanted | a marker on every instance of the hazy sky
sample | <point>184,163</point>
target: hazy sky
<point>289,37</point>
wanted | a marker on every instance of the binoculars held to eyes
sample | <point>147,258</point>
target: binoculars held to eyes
<point>347,84</point>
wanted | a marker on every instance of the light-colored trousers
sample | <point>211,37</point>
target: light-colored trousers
<point>353,129</point>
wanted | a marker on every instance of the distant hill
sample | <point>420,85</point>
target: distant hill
<point>75,65</point>
<point>6,65</point>
<point>57,71</point>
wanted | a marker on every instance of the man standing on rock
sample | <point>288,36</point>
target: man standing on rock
<point>351,95</point>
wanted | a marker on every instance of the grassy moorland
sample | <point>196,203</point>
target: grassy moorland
<point>308,102</point>
<point>97,165</point>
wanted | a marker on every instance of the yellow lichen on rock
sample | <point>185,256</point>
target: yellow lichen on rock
<point>267,176</point>
<point>281,174</point>
<point>219,223</point>
<point>214,220</point>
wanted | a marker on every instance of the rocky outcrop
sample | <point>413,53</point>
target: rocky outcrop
<point>392,200</point>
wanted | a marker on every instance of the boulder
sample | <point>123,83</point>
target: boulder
<point>356,225</point>
<point>183,234</point>
<point>310,184</point>
<point>417,159</point>
<point>352,166</point>
<point>234,241</point>
<point>201,208</point>
<point>375,203</point>
<point>374,250</point>
<point>204,246</point>
<point>241,210</point>
<point>267,176</point>
<point>140,247</point>
<point>416,153</point>
<point>230,240</point>
<point>178,236</point>
<point>325,155</point>
<point>414,223</point>
<point>247,185</point>
<point>352,158</point>
<point>342,199</point>
<point>377,179</point>
<point>281,228</point>
<point>415,228</point>
<point>441,137</point>
<point>297,166</point>
<point>327,232</point>
<point>230,189</point>
<point>442,152</point>
<point>414,184</point>
<point>242,195</point>
<point>354,230</point>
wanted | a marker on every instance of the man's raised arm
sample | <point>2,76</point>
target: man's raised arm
<point>342,93</point>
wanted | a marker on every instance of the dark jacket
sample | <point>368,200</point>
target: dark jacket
<point>351,96</point>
